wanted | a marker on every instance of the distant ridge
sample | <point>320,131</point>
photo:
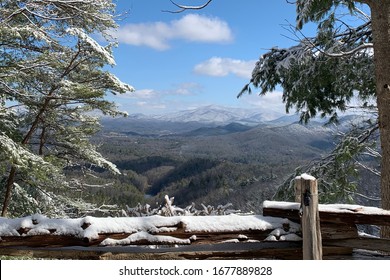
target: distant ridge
<point>213,114</point>
<point>206,121</point>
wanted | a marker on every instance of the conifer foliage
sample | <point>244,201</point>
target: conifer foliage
<point>347,58</point>
<point>53,85</point>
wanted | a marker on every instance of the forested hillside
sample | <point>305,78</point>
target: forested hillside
<point>212,165</point>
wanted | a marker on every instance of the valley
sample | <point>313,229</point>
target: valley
<point>232,161</point>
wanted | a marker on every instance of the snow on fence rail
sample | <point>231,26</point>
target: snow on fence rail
<point>184,230</point>
<point>332,213</point>
<point>226,236</point>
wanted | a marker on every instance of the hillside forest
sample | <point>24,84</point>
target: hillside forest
<point>203,164</point>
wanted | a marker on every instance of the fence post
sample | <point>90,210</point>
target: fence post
<point>310,221</point>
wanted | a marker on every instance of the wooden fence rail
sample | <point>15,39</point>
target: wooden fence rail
<point>328,224</point>
<point>277,234</point>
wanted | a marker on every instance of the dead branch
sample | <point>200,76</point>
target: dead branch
<point>183,8</point>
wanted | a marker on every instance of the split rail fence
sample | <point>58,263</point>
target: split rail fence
<point>286,230</point>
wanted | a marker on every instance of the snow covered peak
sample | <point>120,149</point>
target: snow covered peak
<point>218,115</point>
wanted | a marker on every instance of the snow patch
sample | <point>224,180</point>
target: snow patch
<point>140,236</point>
<point>234,240</point>
<point>271,238</point>
<point>242,236</point>
<point>290,237</point>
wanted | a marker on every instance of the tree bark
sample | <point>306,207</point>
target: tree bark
<point>12,174</point>
<point>8,190</point>
<point>380,18</point>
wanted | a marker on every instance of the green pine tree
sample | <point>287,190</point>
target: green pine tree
<point>53,84</point>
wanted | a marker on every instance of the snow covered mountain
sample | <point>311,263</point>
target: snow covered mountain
<point>207,120</point>
<point>220,115</point>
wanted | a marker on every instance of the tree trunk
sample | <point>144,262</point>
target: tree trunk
<point>11,177</point>
<point>380,17</point>
<point>12,174</point>
<point>8,190</point>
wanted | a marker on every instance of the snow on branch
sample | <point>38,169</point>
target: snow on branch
<point>358,49</point>
<point>19,155</point>
<point>95,45</point>
<point>169,210</point>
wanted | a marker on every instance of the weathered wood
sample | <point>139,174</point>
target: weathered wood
<point>289,213</point>
<point>355,218</point>
<point>46,240</point>
<point>332,249</point>
<point>63,241</point>
<point>298,190</point>
<point>215,237</point>
<point>287,250</point>
<point>310,221</point>
<point>338,231</point>
<point>345,215</point>
<point>373,244</point>
<point>269,250</point>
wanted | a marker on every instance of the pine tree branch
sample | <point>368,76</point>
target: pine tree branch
<point>348,53</point>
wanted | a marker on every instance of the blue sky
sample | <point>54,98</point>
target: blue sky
<point>196,58</point>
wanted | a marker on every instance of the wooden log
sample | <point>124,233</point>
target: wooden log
<point>215,237</point>
<point>285,250</point>
<point>269,250</point>
<point>310,220</point>
<point>165,227</point>
<point>48,240</point>
<point>372,244</point>
<point>338,231</point>
<point>355,218</point>
<point>332,213</point>
<point>276,210</point>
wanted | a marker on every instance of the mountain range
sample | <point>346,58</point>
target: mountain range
<point>211,155</point>
<point>213,114</point>
<point>196,121</point>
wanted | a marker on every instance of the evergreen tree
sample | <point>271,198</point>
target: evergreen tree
<point>337,172</point>
<point>52,84</point>
<point>321,75</point>
<point>324,73</point>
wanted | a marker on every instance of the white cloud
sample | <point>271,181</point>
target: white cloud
<point>148,106</point>
<point>159,101</point>
<point>199,28</point>
<point>189,88</point>
<point>141,94</point>
<point>220,67</point>
<point>191,27</point>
